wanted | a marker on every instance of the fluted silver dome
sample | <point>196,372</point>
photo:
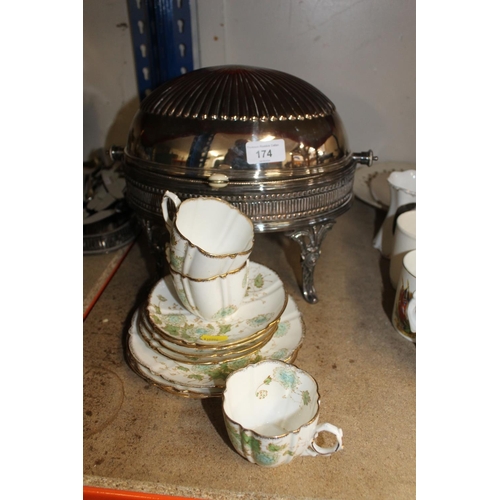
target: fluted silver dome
<point>200,122</point>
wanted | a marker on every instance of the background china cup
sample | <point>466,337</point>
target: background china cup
<point>404,314</point>
<point>208,236</point>
<point>214,298</point>
<point>403,188</point>
<point>405,239</point>
<point>271,412</point>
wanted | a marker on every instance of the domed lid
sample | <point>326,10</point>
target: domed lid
<point>246,122</point>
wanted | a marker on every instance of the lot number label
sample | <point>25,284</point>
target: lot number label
<point>265,151</point>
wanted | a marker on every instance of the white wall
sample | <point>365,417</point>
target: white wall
<point>110,97</point>
<point>360,53</point>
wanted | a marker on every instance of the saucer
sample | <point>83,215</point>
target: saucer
<point>264,302</point>
<point>199,356</point>
<point>176,389</point>
<point>206,351</point>
<point>284,345</point>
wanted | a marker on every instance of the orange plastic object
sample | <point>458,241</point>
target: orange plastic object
<point>94,493</point>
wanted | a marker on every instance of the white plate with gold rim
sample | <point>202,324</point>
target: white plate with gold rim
<point>284,345</point>
<point>173,351</point>
<point>264,302</point>
<point>174,388</point>
<point>207,351</point>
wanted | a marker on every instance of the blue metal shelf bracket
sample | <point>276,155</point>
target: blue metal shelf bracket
<point>162,40</point>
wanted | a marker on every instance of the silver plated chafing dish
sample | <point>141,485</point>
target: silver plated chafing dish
<point>191,136</point>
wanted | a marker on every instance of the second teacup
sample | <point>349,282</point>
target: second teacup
<point>271,412</point>
<point>214,298</point>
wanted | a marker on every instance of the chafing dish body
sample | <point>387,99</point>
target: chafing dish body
<point>266,141</point>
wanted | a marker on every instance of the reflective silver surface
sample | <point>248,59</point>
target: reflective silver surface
<point>200,123</point>
<point>190,136</point>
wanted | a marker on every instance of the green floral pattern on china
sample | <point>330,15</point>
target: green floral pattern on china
<point>178,325</point>
<point>289,379</point>
<point>246,444</point>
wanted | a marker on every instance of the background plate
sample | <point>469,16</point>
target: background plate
<point>370,183</point>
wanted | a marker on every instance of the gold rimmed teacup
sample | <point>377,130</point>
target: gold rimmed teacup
<point>212,298</point>
<point>271,411</point>
<point>208,236</point>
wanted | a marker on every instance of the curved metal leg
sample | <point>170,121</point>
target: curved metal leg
<point>310,239</point>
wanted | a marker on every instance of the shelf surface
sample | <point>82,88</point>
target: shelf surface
<point>139,438</point>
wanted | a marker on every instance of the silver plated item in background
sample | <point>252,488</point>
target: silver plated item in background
<point>108,222</point>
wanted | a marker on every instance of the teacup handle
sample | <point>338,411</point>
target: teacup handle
<point>314,449</point>
<point>164,206</point>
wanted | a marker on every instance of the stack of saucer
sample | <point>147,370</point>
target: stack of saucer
<point>186,355</point>
<point>193,331</point>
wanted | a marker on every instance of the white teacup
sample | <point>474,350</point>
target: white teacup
<point>214,298</point>
<point>405,239</point>
<point>208,236</point>
<point>271,412</point>
<point>404,314</point>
